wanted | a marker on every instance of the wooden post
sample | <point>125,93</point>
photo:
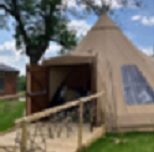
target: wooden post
<point>28,89</point>
<point>80,125</point>
<point>23,146</point>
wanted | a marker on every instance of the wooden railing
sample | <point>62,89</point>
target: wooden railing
<point>45,113</point>
<point>12,97</point>
<point>38,116</point>
<point>48,112</point>
<point>23,123</point>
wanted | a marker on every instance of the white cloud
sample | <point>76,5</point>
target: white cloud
<point>8,48</point>
<point>70,3</point>
<point>149,51</point>
<point>114,4</point>
<point>7,45</point>
<point>53,48</point>
<point>10,56</point>
<point>147,21</point>
<point>136,18</point>
<point>52,51</point>
<point>81,27</point>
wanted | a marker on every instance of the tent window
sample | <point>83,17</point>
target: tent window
<point>2,84</point>
<point>136,88</point>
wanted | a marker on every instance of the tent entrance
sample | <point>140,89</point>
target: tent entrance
<point>70,82</point>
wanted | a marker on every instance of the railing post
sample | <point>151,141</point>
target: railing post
<point>80,125</point>
<point>23,146</point>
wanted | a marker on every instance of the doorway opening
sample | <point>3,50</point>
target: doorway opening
<point>70,82</point>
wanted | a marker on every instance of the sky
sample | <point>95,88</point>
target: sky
<point>136,23</point>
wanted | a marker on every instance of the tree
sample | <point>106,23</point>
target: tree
<point>21,84</point>
<point>37,23</point>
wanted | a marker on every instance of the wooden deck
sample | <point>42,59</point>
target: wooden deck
<point>64,143</point>
<point>60,134</point>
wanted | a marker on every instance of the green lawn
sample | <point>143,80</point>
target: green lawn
<point>130,142</point>
<point>9,112</point>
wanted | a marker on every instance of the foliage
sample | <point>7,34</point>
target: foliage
<point>37,23</point>
<point>21,84</point>
<point>128,142</point>
<point>15,110</point>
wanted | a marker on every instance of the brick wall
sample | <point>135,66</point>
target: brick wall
<point>10,84</point>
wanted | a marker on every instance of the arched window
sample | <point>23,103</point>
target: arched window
<point>136,88</point>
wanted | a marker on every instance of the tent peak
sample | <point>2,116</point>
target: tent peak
<point>106,22</point>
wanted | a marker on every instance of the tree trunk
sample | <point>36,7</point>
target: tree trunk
<point>33,60</point>
<point>35,56</point>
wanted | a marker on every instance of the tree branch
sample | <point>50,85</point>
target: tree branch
<point>47,23</point>
<point>16,15</point>
<point>7,9</point>
<point>19,21</point>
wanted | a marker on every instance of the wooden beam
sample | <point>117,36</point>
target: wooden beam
<point>11,97</point>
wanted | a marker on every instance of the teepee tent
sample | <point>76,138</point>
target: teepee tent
<point>127,75</point>
<point>116,66</point>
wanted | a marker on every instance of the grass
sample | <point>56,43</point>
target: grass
<point>129,142</point>
<point>9,112</point>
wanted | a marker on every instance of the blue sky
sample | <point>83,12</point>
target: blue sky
<point>136,23</point>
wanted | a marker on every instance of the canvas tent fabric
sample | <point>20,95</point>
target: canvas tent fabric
<point>113,51</point>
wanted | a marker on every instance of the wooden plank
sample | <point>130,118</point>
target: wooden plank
<point>45,113</point>
<point>11,97</point>
<point>63,144</point>
<point>97,134</point>
<point>37,88</point>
